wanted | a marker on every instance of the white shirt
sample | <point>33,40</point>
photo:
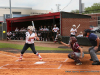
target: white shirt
<point>16,29</point>
<point>39,34</point>
<point>55,29</point>
<point>29,41</point>
<point>41,29</point>
<point>9,33</point>
<point>73,33</point>
<point>45,29</point>
<point>80,35</point>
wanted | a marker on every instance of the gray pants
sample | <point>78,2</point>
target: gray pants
<point>79,54</point>
<point>93,53</point>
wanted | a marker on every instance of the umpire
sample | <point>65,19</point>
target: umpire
<point>94,40</point>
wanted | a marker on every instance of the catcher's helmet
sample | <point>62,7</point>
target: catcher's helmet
<point>73,39</point>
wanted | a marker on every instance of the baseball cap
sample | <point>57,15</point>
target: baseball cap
<point>87,30</point>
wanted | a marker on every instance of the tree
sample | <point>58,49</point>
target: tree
<point>75,11</point>
<point>95,8</point>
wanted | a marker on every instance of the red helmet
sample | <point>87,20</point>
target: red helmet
<point>73,39</point>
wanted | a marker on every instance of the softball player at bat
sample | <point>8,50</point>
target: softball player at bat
<point>30,42</point>
<point>77,50</point>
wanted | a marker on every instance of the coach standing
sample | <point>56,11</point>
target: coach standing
<point>55,30</point>
<point>94,39</point>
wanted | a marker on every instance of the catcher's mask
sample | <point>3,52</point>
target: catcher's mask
<point>73,39</point>
<point>32,28</point>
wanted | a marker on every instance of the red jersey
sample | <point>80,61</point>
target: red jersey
<point>75,47</point>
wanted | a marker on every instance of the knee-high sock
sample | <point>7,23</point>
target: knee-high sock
<point>21,55</point>
<point>38,55</point>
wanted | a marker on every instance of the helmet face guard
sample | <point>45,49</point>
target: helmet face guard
<point>73,39</point>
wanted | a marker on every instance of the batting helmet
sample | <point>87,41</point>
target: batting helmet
<point>74,26</point>
<point>31,28</point>
<point>73,39</point>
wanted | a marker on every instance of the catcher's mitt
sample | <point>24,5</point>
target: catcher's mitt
<point>59,38</point>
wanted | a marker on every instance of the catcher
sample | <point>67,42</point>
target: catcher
<point>30,42</point>
<point>77,50</point>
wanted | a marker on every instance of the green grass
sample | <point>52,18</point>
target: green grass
<point>16,46</point>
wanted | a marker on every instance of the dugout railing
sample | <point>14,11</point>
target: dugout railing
<point>20,35</point>
<point>81,40</point>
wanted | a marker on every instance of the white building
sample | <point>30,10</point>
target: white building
<point>20,12</point>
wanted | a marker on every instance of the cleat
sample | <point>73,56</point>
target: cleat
<point>20,59</point>
<point>41,59</point>
<point>96,63</point>
<point>78,63</point>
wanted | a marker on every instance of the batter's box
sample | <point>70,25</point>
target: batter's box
<point>31,66</point>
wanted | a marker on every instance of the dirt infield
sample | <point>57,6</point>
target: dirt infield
<point>54,64</point>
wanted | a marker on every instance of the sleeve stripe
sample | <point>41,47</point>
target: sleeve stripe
<point>78,47</point>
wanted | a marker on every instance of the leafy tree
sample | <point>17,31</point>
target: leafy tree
<point>95,8</point>
<point>75,11</point>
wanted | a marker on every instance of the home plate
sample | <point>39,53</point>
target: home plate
<point>39,62</point>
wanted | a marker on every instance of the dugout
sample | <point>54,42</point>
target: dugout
<point>44,20</point>
<point>63,20</point>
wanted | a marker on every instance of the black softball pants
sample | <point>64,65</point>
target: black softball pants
<point>26,46</point>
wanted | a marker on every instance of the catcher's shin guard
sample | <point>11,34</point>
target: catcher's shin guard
<point>74,57</point>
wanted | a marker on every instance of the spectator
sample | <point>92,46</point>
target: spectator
<point>45,33</point>
<point>9,35</point>
<point>58,37</point>
<point>16,29</point>
<point>80,34</point>
<point>55,30</point>
<point>41,29</point>
<point>39,35</point>
<point>17,33</point>
<point>13,35</point>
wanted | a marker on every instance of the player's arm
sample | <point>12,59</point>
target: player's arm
<point>52,30</point>
<point>65,44</point>
<point>32,37</point>
<point>98,41</point>
<point>80,51</point>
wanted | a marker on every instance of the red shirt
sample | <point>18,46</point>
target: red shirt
<point>75,47</point>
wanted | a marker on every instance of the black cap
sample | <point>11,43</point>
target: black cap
<point>88,30</point>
